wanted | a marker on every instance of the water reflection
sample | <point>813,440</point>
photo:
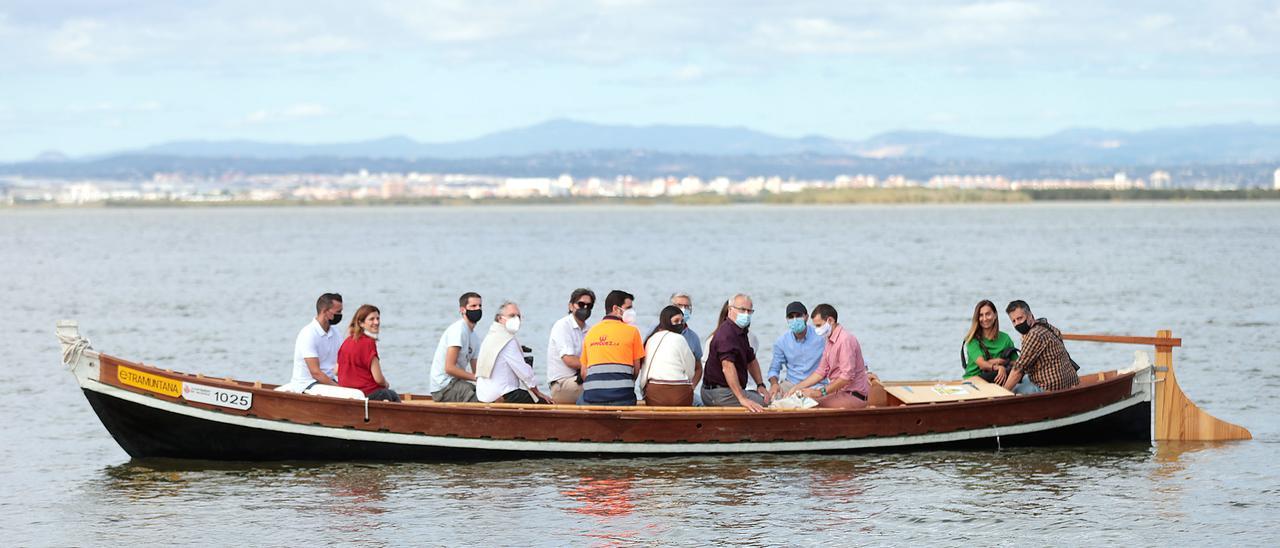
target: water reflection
<point>976,495</point>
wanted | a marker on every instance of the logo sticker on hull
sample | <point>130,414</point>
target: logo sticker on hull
<point>148,382</point>
<point>211,395</point>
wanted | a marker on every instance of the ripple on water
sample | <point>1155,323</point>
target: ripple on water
<point>909,303</point>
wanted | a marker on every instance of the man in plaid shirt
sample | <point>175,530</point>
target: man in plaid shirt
<point>1043,359</point>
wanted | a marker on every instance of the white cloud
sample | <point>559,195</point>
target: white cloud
<point>986,13</point>
<point>689,73</point>
<point>74,41</point>
<point>620,33</point>
<point>1156,21</point>
<point>318,45</point>
<point>113,107</point>
<point>295,112</point>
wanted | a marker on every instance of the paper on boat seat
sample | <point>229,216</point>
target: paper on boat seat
<point>794,401</point>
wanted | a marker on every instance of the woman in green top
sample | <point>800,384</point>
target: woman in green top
<point>988,350</point>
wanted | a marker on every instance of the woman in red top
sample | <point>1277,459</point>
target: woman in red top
<point>358,364</point>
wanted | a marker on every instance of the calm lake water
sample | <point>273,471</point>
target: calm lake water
<point>224,292</point>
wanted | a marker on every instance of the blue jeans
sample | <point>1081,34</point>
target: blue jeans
<point>1025,387</point>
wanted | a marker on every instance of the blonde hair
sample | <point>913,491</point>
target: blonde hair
<point>354,330</point>
<point>977,310</point>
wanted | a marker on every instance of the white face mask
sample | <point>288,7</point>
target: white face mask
<point>824,330</point>
<point>513,324</point>
<point>629,316</point>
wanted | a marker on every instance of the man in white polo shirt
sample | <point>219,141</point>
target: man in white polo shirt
<point>565,346</point>
<point>315,352</point>
<point>453,367</point>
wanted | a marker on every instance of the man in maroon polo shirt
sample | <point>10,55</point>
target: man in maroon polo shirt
<point>731,360</point>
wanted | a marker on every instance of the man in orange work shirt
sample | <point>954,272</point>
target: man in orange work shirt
<point>612,352</point>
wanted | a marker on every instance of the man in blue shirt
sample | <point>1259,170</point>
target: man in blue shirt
<point>685,304</point>
<point>799,350</point>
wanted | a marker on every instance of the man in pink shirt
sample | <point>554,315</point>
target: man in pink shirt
<point>842,365</point>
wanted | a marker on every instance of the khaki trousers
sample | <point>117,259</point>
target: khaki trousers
<point>566,391</point>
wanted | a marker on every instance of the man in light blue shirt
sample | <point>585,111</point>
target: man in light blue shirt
<point>799,350</point>
<point>685,304</point>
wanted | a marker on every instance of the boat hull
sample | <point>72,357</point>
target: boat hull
<point>154,412</point>
<point>148,427</point>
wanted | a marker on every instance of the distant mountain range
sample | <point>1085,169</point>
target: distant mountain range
<point>1239,155</point>
<point>1189,145</point>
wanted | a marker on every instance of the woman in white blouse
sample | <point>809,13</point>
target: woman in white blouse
<point>669,372</point>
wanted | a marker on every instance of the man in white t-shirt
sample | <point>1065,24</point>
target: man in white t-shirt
<point>315,352</point>
<point>453,367</point>
<point>564,349</point>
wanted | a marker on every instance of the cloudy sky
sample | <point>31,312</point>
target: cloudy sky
<point>93,76</point>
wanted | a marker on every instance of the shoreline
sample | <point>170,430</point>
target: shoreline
<point>858,196</point>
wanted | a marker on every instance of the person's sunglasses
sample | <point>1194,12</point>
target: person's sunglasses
<point>583,304</point>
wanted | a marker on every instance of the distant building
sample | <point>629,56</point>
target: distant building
<point>1160,179</point>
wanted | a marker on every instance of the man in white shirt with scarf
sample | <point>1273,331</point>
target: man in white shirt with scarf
<point>501,372</point>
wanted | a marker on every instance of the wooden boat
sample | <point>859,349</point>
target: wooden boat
<point>154,412</point>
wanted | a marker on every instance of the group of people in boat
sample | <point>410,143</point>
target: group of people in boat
<point>612,363</point>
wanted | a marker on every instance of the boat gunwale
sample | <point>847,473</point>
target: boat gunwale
<point>638,412</point>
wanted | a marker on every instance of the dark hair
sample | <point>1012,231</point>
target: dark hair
<point>616,297</point>
<point>354,329</point>
<point>325,301</point>
<point>664,321</point>
<point>827,312</point>
<point>462,301</point>
<point>1014,305</point>
<point>581,292</point>
<point>724,314</point>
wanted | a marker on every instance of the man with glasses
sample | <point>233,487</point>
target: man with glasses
<point>685,304</point>
<point>565,346</point>
<point>731,359</point>
<point>502,374</point>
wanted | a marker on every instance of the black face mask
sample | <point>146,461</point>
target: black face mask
<point>582,314</point>
<point>678,328</point>
<point>336,318</point>
<point>1023,327</point>
<point>474,316</point>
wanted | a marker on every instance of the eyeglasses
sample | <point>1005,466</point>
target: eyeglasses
<point>584,304</point>
<point>747,310</point>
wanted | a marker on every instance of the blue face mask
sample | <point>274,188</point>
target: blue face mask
<point>797,325</point>
<point>742,319</point>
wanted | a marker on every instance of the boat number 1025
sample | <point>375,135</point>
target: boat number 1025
<point>233,400</point>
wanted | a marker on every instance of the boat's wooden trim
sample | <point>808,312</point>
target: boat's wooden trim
<point>1120,339</point>
<point>1177,417</point>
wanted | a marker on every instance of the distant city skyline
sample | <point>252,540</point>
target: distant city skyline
<point>98,77</point>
